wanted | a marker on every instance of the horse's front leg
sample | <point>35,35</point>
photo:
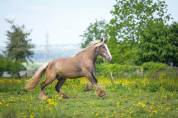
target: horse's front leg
<point>88,87</point>
<point>99,91</point>
<point>93,81</point>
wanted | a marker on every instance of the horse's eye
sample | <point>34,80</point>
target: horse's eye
<point>102,46</point>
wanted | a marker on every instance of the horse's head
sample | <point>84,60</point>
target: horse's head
<point>102,50</point>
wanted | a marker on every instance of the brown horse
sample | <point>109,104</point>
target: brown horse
<point>80,65</point>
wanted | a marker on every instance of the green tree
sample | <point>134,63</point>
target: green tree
<point>174,43</point>
<point>159,43</point>
<point>18,45</point>
<point>130,17</point>
<point>18,49</point>
<point>94,31</point>
<point>7,64</point>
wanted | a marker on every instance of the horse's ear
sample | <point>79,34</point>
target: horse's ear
<point>103,40</point>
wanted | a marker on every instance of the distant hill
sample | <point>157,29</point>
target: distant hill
<point>43,53</point>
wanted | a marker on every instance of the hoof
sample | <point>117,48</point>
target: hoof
<point>101,93</point>
<point>64,96</point>
<point>43,96</point>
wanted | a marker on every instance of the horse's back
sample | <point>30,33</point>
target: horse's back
<point>67,67</point>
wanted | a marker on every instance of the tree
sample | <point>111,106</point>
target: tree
<point>18,49</point>
<point>96,30</point>
<point>18,45</point>
<point>159,43</point>
<point>130,17</point>
<point>174,42</point>
<point>6,64</point>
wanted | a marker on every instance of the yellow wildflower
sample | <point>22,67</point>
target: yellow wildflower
<point>32,115</point>
<point>96,114</point>
<point>51,102</point>
<point>141,104</point>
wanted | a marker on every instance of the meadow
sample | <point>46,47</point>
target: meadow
<point>126,98</point>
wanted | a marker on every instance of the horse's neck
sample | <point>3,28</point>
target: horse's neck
<point>89,54</point>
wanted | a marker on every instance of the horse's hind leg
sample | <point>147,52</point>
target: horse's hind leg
<point>59,85</point>
<point>50,77</point>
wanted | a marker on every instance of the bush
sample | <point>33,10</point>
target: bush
<point>149,70</point>
<point>117,70</point>
<point>152,66</point>
<point>11,66</point>
<point>159,70</point>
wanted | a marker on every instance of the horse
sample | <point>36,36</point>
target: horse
<point>80,65</point>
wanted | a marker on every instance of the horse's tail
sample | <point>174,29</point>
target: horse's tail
<point>36,78</point>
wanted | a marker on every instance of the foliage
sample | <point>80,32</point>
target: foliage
<point>18,49</point>
<point>174,42</point>
<point>7,64</point>
<point>156,43</point>
<point>18,45</point>
<point>118,71</point>
<point>126,27</point>
<point>94,31</point>
<point>150,70</point>
<point>116,68</point>
<point>124,52</point>
<point>113,48</point>
<point>130,16</point>
<point>152,66</point>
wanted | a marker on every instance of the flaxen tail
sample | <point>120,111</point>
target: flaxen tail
<point>36,78</point>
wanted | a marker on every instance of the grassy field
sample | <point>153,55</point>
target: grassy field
<point>126,98</point>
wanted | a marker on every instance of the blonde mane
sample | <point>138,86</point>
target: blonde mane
<point>88,46</point>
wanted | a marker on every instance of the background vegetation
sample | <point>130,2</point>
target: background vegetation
<point>18,50</point>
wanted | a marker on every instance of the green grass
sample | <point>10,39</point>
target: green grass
<point>126,98</point>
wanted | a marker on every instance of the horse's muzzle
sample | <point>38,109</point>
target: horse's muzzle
<point>109,59</point>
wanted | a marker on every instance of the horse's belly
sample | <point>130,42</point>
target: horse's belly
<point>72,75</point>
<point>68,69</point>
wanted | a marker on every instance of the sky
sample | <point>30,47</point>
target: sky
<point>62,20</point>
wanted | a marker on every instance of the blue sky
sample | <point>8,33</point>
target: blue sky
<point>63,20</point>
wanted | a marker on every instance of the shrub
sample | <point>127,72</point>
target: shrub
<point>11,66</point>
<point>149,70</point>
<point>152,66</point>
<point>117,70</point>
<point>159,70</point>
